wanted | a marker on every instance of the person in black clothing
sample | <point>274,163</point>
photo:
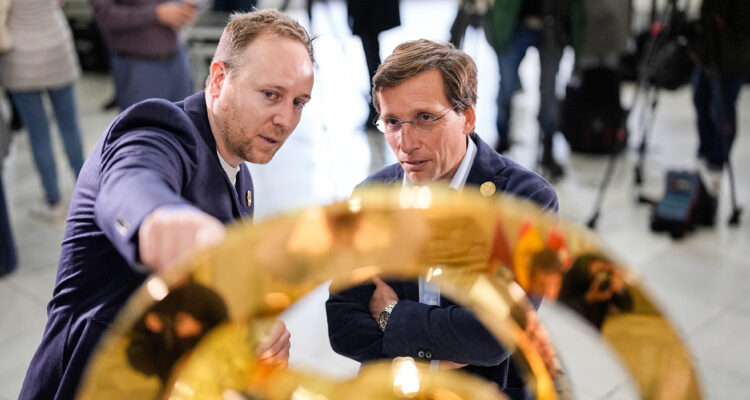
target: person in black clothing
<point>470,13</point>
<point>591,285</point>
<point>366,20</point>
<point>512,27</point>
<point>234,5</point>
<point>722,50</point>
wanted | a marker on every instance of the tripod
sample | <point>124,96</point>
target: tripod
<point>661,33</point>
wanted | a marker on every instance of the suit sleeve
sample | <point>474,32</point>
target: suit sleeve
<point>352,331</point>
<point>415,330</point>
<point>140,171</point>
<point>446,333</point>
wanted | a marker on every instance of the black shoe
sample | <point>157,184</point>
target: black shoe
<point>502,146</point>
<point>15,122</point>
<point>707,215</point>
<point>110,105</point>
<point>551,169</point>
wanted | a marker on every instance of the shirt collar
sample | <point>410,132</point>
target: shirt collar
<point>228,169</point>
<point>462,173</point>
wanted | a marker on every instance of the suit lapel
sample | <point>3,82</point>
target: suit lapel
<point>245,197</point>
<point>485,167</point>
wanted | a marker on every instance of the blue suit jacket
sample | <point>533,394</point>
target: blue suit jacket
<point>448,332</point>
<point>155,153</point>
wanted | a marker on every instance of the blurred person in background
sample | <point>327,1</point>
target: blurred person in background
<point>43,60</point>
<point>234,5</point>
<point>8,258</point>
<point>470,13</point>
<point>367,19</point>
<point>512,27</point>
<point>7,248</point>
<point>722,49</point>
<point>149,58</point>
<point>161,183</point>
<point>592,286</point>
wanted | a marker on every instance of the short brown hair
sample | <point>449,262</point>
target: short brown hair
<point>243,28</point>
<point>545,261</point>
<point>411,58</point>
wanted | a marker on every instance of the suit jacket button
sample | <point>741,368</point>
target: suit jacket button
<point>420,354</point>
<point>427,354</point>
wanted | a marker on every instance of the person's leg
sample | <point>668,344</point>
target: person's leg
<point>549,59</point>
<point>31,110</point>
<point>508,63</point>
<point>714,99</point>
<point>182,77</point>
<point>7,248</point>
<point>64,103</point>
<point>15,119</point>
<point>726,122</point>
<point>702,103</point>
<point>123,79</point>
<point>137,80</point>
<point>371,47</point>
<point>458,28</point>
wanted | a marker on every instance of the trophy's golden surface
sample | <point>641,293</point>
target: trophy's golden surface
<point>487,254</point>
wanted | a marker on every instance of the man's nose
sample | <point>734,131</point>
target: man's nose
<point>285,117</point>
<point>409,138</point>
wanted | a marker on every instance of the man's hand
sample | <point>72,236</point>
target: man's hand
<point>176,14</point>
<point>601,270</point>
<point>169,234</point>
<point>381,297</point>
<point>275,349</point>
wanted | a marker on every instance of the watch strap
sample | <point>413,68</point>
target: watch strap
<point>384,315</point>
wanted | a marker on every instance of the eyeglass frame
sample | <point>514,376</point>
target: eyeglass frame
<point>433,122</point>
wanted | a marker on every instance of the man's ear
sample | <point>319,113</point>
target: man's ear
<point>219,72</point>
<point>471,120</point>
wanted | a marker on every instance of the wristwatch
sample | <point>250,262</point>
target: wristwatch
<point>384,315</point>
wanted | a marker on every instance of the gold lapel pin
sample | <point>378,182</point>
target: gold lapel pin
<point>249,198</point>
<point>487,189</point>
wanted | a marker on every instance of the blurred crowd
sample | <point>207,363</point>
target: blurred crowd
<point>145,49</point>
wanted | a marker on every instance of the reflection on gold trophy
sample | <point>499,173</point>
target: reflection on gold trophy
<point>166,345</point>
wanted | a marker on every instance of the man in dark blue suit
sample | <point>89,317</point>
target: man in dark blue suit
<point>162,182</point>
<point>425,93</point>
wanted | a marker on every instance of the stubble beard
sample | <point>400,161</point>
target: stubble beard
<point>233,138</point>
<point>239,142</point>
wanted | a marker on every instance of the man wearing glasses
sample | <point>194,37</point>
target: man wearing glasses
<point>425,93</point>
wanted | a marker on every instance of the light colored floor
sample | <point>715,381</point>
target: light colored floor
<point>700,281</point>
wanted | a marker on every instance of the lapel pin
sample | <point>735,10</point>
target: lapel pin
<point>487,189</point>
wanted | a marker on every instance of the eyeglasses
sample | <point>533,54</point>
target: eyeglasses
<point>423,122</point>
